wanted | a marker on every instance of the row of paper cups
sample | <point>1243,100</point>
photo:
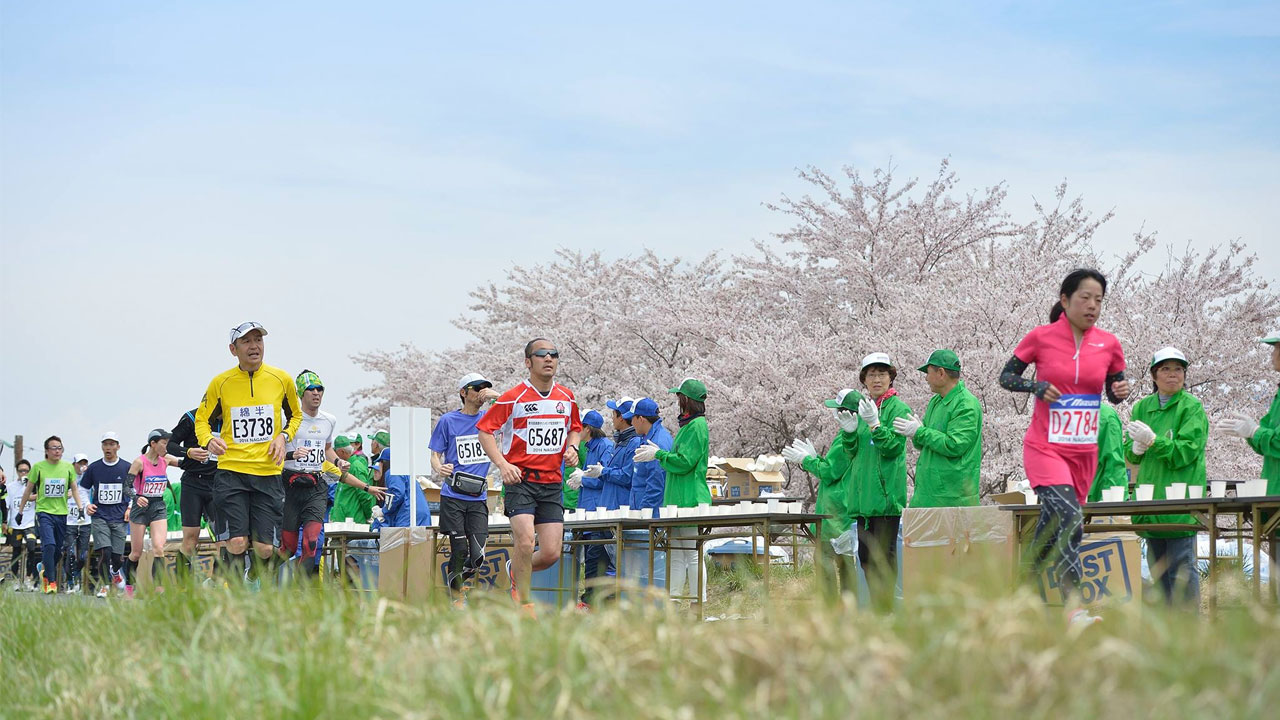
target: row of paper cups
<point>671,511</point>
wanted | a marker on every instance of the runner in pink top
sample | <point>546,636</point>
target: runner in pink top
<point>1075,364</point>
<point>148,511</point>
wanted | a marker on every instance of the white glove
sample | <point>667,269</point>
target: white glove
<point>377,513</point>
<point>646,452</point>
<point>869,413</point>
<point>1241,426</point>
<point>802,449</point>
<point>1141,433</point>
<point>793,454</point>
<point>848,421</point>
<point>907,426</point>
<point>575,480</point>
<point>593,471</point>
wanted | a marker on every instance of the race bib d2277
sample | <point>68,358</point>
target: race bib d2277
<point>1073,419</point>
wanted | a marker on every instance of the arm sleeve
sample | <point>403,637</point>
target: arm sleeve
<point>295,409</point>
<point>204,412</point>
<point>888,443</point>
<point>1011,379</point>
<point>1186,447</point>
<point>964,428</point>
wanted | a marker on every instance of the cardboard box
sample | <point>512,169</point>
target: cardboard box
<point>1112,571</point>
<point>405,562</point>
<point>740,483</point>
<point>973,546</point>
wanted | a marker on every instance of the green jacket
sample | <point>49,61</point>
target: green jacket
<point>879,486</point>
<point>173,507</point>
<point>835,474</point>
<point>570,496</point>
<point>950,445</point>
<point>1181,429</point>
<point>686,466</point>
<point>354,503</point>
<point>1266,442</point>
<point>1111,468</point>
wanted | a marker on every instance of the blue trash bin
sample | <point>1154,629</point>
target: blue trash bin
<point>634,567</point>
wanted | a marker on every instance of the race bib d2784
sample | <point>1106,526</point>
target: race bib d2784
<point>1073,419</point>
<point>252,424</point>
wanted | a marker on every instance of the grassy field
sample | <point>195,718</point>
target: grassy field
<point>324,654</point>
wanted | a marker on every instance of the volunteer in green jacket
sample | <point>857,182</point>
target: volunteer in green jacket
<point>1167,434</point>
<point>835,476</point>
<point>1264,438</point>
<point>949,438</point>
<point>1112,471</point>
<point>349,501</point>
<point>880,481</point>
<point>48,483</point>
<point>686,467</point>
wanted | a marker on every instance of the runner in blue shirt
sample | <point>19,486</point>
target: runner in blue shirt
<point>110,491</point>
<point>457,457</point>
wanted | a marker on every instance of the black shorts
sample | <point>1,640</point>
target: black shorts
<point>303,503</point>
<point>249,505</point>
<point>469,518</point>
<point>544,501</point>
<point>197,501</point>
<point>155,511</point>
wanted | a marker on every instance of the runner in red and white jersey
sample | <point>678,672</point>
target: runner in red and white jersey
<point>539,427</point>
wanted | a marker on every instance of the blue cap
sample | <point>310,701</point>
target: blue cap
<point>645,407</point>
<point>385,455</point>
<point>622,406</point>
<point>593,419</point>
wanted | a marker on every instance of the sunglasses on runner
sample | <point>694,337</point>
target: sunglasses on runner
<point>546,353</point>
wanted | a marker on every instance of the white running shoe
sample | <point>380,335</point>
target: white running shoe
<point>103,591</point>
<point>1082,619</point>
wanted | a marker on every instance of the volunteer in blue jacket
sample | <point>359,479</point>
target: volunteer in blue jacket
<point>395,513</point>
<point>614,474</point>
<point>649,482</point>
<point>598,447</point>
<point>456,456</point>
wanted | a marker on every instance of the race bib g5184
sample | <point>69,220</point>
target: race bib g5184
<point>153,486</point>
<point>545,436</point>
<point>309,457</point>
<point>252,424</point>
<point>55,487</point>
<point>110,494</point>
<point>469,450</point>
<point>1073,419</point>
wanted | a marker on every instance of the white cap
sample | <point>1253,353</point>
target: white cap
<point>1168,353</point>
<point>470,378</point>
<point>110,435</point>
<point>876,359</point>
<point>1272,337</point>
<point>78,457</point>
<point>245,328</point>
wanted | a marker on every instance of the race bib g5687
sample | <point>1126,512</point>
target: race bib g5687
<point>309,457</point>
<point>110,494</point>
<point>55,487</point>
<point>1073,419</point>
<point>153,486</point>
<point>252,424</point>
<point>469,450</point>
<point>545,436</point>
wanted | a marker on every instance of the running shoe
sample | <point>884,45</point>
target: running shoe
<point>75,589</point>
<point>117,577</point>
<point>51,588</point>
<point>103,591</point>
<point>529,611</point>
<point>29,585</point>
<point>582,607</point>
<point>1081,618</point>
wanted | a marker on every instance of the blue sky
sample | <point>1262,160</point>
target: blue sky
<point>344,173</point>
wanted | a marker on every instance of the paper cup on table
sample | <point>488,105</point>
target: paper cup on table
<point>666,511</point>
<point>744,507</point>
<point>795,508</point>
<point>593,515</point>
<point>1255,488</point>
<point>1144,493</point>
<point>1176,491</point>
<point>1218,488</point>
<point>772,505</point>
<point>624,511</point>
<point>1032,498</point>
<point>1196,492</point>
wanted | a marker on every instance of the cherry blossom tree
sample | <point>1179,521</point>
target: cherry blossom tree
<point>868,265</point>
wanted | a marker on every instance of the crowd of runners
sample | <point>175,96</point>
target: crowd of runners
<point>263,468</point>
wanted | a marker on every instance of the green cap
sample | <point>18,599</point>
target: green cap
<point>945,359</point>
<point>356,439</point>
<point>690,388</point>
<point>342,441</point>
<point>383,438</point>
<point>307,380</point>
<point>1272,337</point>
<point>847,399</point>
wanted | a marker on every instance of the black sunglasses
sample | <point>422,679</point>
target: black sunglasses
<point>546,353</point>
